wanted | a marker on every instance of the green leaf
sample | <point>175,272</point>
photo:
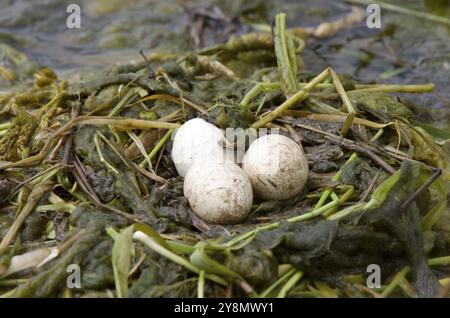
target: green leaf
<point>121,259</point>
<point>435,132</point>
<point>202,261</point>
<point>425,149</point>
<point>144,228</point>
<point>180,248</point>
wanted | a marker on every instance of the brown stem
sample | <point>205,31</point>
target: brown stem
<point>421,189</point>
<point>352,145</point>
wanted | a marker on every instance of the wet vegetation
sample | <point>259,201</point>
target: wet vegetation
<point>86,176</point>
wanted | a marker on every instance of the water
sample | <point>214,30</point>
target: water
<point>405,50</point>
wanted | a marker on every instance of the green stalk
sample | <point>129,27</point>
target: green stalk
<point>286,57</point>
<point>313,213</point>
<point>300,95</point>
<point>12,282</point>
<point>346,211</point>
<point>267,87</point>
<point>335,178</point>
<point>377,135</point>
<point>201,285</point>
<point>270,226</point>
<point>181,248</point>
<point>347,124</point>
<point>100,154</point>
<point>141,148</point>
<point>158,147</point>
<point>350,109</point>
<point>113,148</point>
<point>395,281</point>
<point>290,284</point>
<point>146,240</point>
<point>120,105</point>
<point>340,89</point>
<point>261,104</point>
<point>393,88</point>
<point>65,207</point>
<point>5,126</point>
<point>258,88</point>
<point>122,122</point>
<point>347,195</point>
<point>268,290</point>
<point>438,261</point>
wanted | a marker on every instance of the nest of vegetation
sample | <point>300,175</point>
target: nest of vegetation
<point>86,178</point>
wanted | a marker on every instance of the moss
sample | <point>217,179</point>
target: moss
<point>257,267</point>
<point>162,279</point>
<point>5,189</point>
<point>381,105</point>
<point>15,142</point>
<point>360,174</point>
<point>34,227</point>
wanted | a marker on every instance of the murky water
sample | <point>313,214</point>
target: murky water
<point>405,50</point>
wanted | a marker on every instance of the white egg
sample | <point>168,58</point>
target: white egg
<point>277,167</point>
<point>197,141</point>
<point>218,192</point>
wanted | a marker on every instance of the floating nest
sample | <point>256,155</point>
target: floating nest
<point>91,204</point>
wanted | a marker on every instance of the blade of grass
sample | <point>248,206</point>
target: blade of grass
<point>141,148</point>
<point>269,289</point>
<point>347,103</point>
<point>286,58</point>
<point>395,281</point>
<point>393,88</point>
<point>301,94</point>
<point>100,154</point>
<point>290,284</point>
<point>335,178</point>
<point>121,260</point>
<point>122,103</point>
<point>158,146</point>
<point>201,285</point>
<point>258,88</point>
